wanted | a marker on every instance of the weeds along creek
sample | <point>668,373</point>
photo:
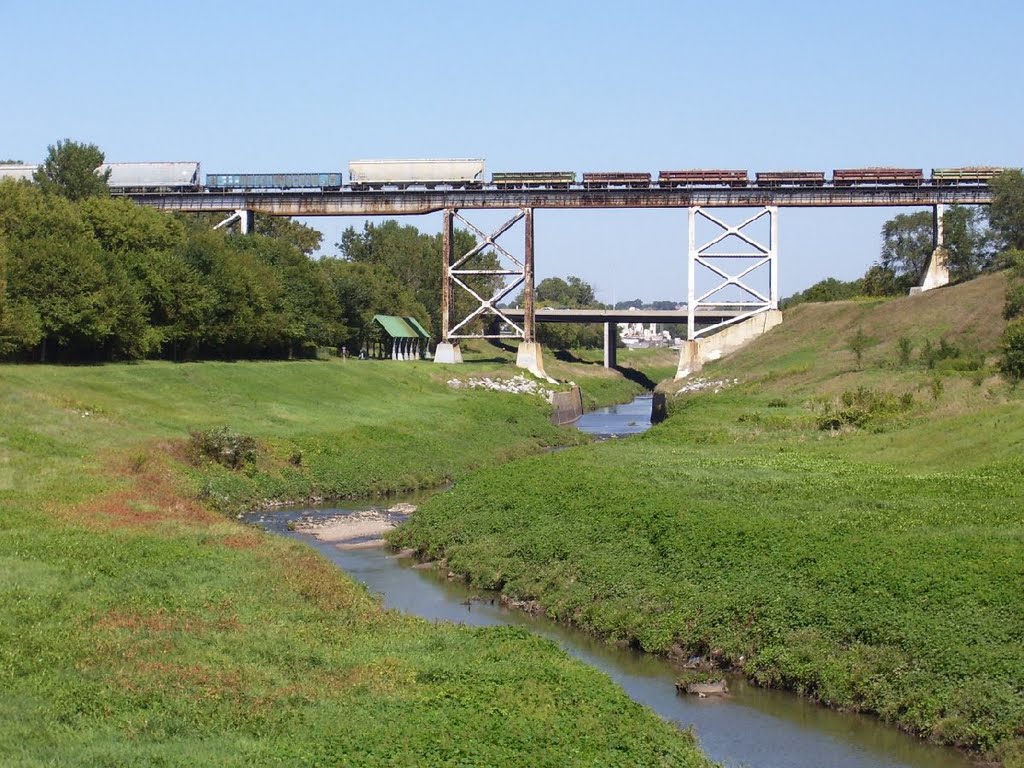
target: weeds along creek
<point>751,726</point>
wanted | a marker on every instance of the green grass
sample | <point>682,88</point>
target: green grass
<point>138,627</point>
<point>878,569</point>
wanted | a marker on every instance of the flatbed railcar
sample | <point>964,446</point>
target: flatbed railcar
<point>18,171</point>
<point>266,181</point>
<point>604,179</point>
<point>451,173</point>
<point>790,178</point>
<point>974,174</point>
<point>848,177</point>
<point>533,179</point>
<point>703,177</point>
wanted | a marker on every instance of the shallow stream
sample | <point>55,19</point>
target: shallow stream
<point>751,727</point>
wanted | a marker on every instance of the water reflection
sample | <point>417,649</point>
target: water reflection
<point>618,420</point>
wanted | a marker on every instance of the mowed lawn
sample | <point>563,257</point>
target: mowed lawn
<point>139,626</point>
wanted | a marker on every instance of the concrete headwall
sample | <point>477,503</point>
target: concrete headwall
<point>694,354</point>
<point>567,406</point>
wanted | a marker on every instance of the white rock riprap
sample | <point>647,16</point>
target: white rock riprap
<point>517,385</point>
<point>701,384</point>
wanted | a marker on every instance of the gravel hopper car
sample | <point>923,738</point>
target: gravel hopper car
<point>533,179</point>
<point>616,179</point>
<point>848,177</point>
<point>700,177</point>
<point>401,174</point>
<point>975,174</point>
<point>790,178</point>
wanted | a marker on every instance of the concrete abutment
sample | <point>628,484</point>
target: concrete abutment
<point>694,354</point>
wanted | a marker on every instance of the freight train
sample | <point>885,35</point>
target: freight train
<point>376,175</point>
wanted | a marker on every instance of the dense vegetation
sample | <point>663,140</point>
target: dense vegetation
<point>872,563</point>
<point>139,628</point>
<point>87,277</point>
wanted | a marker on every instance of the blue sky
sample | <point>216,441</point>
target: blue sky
<point>303,86</point>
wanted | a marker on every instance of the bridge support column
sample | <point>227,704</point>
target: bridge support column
<point>756,259</point>
<point>445,351</point>
<point>937,272</point>
<point>487,283</point>
<point>611,338</point>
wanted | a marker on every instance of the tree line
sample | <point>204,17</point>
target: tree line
<point>975,240</point>
<point>88,277</point>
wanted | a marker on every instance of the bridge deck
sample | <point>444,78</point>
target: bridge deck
<point>419,201</point>
<point>703,316</point>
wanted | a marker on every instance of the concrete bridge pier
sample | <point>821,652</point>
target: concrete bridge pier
<point>611,338</point>
<point>936,274</point>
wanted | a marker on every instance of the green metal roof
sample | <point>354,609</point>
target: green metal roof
<point>414,323</point>
<point>401,327</point>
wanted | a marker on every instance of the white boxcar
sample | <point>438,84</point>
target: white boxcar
<point>151,176</point>
<point>17,171</point>
<point>421,173</point>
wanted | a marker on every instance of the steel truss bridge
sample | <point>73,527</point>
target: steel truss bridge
<point>749,256</point>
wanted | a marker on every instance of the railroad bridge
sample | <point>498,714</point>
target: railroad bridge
<point>706,313</point>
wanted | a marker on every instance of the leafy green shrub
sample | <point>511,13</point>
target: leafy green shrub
<point>222,445</point>
<point>777,402</point>
<point>859,343</point>
<point>1014,306</point>
<point>906,347</point>
<point>1012,363</point>
<point>932,355</point>
<point>856,408</point>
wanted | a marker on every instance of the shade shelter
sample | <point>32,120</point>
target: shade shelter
<point>398,338</point>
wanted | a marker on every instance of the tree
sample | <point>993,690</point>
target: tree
<point>965,242</point>
<point>121,226</point>
<point>64,282</point>
<point>306,239</point>
<point>907,245</point>
<point>859,343</point>
<point>413,259</point>
<point>571,293</point>
<point>1006,214</point>
<point>829,289</point>
<point>70,171</point>
<point>362,291</point>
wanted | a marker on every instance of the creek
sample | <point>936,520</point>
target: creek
<point>751,727</point>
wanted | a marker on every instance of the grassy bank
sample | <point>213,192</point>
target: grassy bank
<point>139,627</point>
<point>874,564</point>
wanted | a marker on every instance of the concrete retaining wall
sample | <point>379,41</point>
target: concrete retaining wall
<point>566,406</point>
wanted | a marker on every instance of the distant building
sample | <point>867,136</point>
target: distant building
<point>644,335</point>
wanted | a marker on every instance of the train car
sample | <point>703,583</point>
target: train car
<point>848,177</point>
<point>262,181</point>
<point>154,178</point>
<point>18,171</point>
<point>454,173</point>
<point>603,180</point>
<point>973,174</point>
<point>533,179</point>
<point>790,178</point>
<point>703,177</point>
